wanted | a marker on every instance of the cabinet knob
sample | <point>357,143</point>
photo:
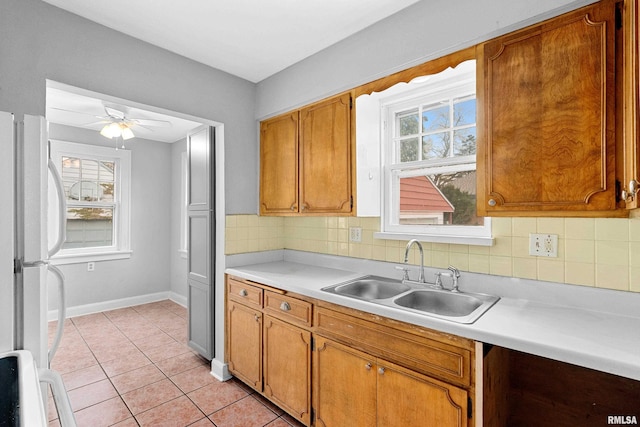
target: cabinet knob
<point>492,202</point>
<point>293,207</point>
<point>367,366</point>
<point>285,306</point>
<point>381,371</point>
<point>243,293</point>
<point>255,316</point>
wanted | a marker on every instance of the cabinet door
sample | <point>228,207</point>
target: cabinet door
<point>279,165</point>
<point>344,386</point>
<point>546,121</point>
<point>326,156</point>
<point>244,326</point>
<point>406,398</point>
<point>287,367</point>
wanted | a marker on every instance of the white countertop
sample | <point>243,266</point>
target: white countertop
<point>594,328</point>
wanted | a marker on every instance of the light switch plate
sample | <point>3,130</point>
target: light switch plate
<point>543,245</point>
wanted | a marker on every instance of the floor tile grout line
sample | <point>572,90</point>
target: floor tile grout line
<point>249,392</point>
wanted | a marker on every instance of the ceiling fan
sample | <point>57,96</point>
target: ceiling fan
<point>118,123</point>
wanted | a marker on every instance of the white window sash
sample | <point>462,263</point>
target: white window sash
<point>121,247</point>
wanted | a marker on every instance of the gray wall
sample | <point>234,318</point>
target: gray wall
<point>148,271</point>
<point>39,41</point>
<point>427,30</point>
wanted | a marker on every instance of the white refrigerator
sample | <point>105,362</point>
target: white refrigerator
<point>25,271</point>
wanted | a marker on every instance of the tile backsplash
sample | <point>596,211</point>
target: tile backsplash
<point>601,252</point>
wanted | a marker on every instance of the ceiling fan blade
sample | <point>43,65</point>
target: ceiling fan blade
<point>112,112</point>
<point>151,123</point>
<point>80,112</point>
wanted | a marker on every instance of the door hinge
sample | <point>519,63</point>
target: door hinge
<point>313,344</point>
<point>351,103</point>
<point>312,416</point>
<point>351,201</point>
<point>469,407</point>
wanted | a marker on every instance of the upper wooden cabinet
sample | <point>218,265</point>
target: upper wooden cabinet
<point>547,117</point>
<point>306,160</point>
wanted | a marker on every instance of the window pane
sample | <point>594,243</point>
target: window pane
<point>106,171</point>
<point>464,112</point>
<point>89,227</point>
<point>435,117</point>
<point>464,142</point>
<point>409,150</point>
<point>444,199</point>
<point>70,174</point>
<point>407,123</point>
<point>435,146</point>
<point>89,170</point>
<point>106,194</point>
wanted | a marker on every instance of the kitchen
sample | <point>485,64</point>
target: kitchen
<point>50,35</point>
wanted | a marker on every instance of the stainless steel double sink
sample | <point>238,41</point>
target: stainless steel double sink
<point>460,307</point>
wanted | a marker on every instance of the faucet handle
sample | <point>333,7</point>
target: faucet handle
<point>405,275</point>
<point>438,283</point>
<point>455,274</point>
<point>454,271</point>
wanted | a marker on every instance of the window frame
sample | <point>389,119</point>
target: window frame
<point>458,86</point>
<point>121,247</point>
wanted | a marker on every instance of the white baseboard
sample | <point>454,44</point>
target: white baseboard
<point>81,310</point>
<point>220,370</point>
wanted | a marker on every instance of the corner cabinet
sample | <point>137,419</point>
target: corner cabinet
<point>547,117</point>
<point>361,369</point>
<point>306,160</point>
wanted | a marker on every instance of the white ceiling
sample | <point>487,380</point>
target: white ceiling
<point>252,39</point>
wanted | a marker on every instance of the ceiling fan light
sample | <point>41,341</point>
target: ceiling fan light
<point>111,130</point>
<point>127,133</point>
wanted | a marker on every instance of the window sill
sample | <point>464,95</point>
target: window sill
<point>458,240</point>
<point>82,258</point>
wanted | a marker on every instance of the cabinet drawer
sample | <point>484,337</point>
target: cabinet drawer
<point>287,308</point>
<point>245,293</point>
<point>411,350</point>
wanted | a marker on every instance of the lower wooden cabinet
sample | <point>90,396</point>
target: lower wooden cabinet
<point>287,367</point>
<point>332,367</point>
<point>244,343</point>
<point>355,388</point>
<point>344,385</point>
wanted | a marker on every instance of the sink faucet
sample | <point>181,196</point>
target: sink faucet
<point>406,257</point>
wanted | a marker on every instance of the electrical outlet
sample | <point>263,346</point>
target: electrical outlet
<point>543,245</point>
<point>355,234</point>
<point>91,266</point>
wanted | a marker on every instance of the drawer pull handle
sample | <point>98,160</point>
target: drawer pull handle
<point>285,306</point>
<point>381,371</point>
<point>367,366</point>
<point>243,292</point>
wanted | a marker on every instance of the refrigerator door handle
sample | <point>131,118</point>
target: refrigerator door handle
<point>62,209</point>
<point>62,311</point>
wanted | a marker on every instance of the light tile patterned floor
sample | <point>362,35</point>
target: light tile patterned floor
<point>132,367</point>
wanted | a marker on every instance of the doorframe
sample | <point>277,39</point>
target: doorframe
<point>218,367</point>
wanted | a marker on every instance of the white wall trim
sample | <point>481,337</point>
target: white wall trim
<point>81,310</point>
<point>220,371</point>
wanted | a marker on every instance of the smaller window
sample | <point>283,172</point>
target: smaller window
<point>96,183</point>
<point>429,158</point>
